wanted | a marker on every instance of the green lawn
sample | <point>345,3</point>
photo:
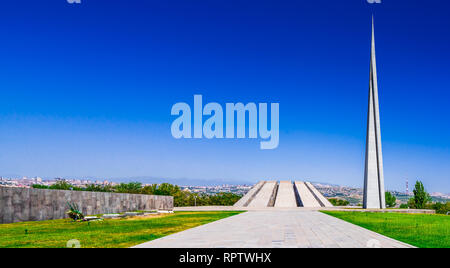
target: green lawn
<point>420,230</point>
<point>108,233</point>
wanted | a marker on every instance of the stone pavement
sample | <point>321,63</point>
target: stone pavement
<point>273,229</point>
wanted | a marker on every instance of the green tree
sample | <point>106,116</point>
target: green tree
<point>411,203</point>
<point>421,197</point>
<point>390,199</point>
<point>64,185</point>
<point>130,188</point>
<point>441,208</point>
<point>166,189</point>
<point>39,186</point>
<point>98,188</point>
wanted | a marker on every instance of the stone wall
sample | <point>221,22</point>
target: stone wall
<point>23,204</point>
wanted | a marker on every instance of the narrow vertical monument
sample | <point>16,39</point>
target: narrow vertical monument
<point>373,174</point>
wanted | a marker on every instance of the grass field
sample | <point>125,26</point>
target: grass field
<point>114,233</point>
<point>420,230</point>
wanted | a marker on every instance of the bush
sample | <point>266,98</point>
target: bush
<point>441,208</point>
<point>338,202</point>
<point>404,206</point>
<point>38,186</point>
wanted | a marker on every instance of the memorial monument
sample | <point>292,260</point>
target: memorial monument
<point>373,174</point>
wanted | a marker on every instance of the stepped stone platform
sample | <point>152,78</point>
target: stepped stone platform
<point>284,194</point>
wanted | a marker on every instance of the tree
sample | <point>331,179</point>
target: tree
<point>411,203</point>
<point>129,188</point>
<point>421,197</point>
<point>39,186</point>
<point>63,185</point>
<point>441,208</point>
<point>390,199</point>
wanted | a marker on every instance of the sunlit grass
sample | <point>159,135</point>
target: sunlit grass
<point>420,230</point>
<point>115,233</point>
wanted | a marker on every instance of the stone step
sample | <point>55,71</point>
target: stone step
<point>285,196</point>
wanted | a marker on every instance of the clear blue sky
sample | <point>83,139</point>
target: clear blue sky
<point>86,90</point>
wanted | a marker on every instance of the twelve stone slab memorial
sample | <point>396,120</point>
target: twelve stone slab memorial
<point>284,194</point>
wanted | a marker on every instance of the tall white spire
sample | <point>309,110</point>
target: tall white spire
<point>373,175</point>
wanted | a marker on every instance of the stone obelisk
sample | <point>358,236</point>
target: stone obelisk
<point>373,174</point>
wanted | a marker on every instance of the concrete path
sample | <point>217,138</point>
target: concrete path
<point>272,229</point>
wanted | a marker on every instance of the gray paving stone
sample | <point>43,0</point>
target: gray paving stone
<point>275,228</point>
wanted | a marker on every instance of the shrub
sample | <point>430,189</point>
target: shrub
<point>74,213</point>
<point>39,186</point>
<point>338,202</point>
<point>441,208</point>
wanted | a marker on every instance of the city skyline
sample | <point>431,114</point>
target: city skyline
<point>92,96</point>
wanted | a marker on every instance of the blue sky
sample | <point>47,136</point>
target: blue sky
<point>86,90</point>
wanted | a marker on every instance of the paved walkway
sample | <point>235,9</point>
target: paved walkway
<point>272,229</point>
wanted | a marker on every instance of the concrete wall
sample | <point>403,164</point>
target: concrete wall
<point>22,204</point>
